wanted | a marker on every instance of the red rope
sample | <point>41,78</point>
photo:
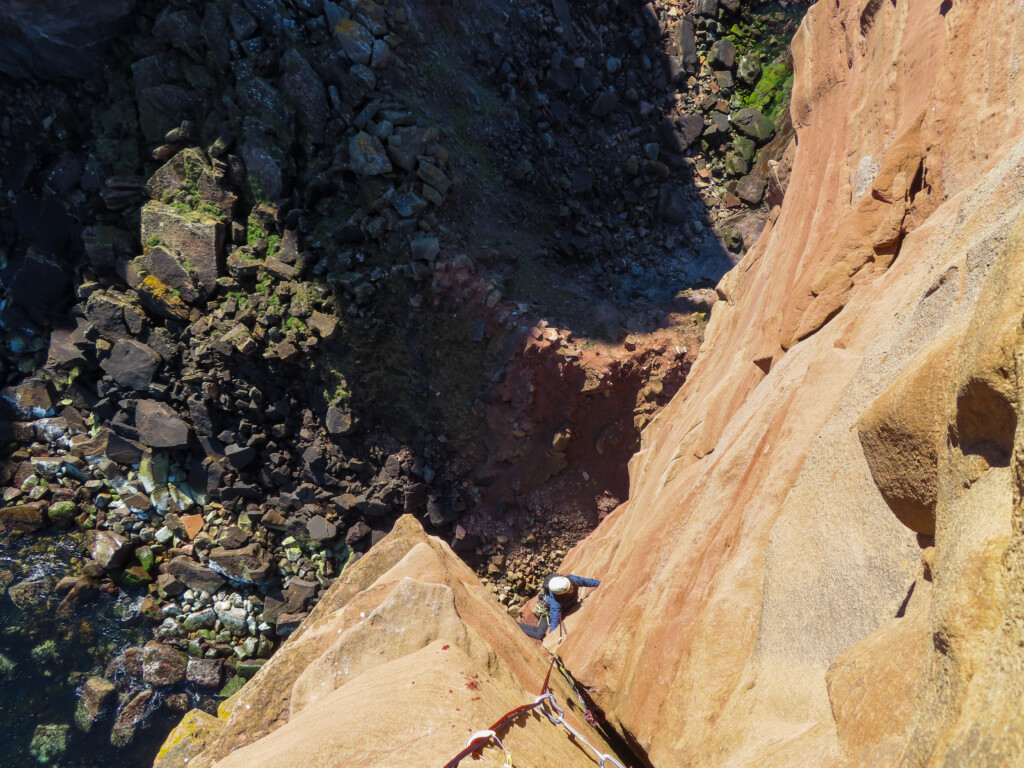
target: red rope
<point>505,720</point>
<point>547,678</point>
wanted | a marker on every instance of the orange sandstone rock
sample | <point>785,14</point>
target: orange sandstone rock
<point>859,373</point>
<point>400,662</point>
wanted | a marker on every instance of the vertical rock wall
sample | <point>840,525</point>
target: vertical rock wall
<point>820,560</point>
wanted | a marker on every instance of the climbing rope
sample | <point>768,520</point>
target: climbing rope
<point>547,704</point>
<point>587,714</point>
<point>479,739</point>
<point>602,758</point>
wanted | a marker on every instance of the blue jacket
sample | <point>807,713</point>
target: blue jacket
<point>555,607</point>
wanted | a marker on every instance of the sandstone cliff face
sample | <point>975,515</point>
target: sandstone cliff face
<point>820,560</point>
<point>405,657</point>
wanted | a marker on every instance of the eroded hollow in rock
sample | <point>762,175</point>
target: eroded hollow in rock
<point>986,422</point>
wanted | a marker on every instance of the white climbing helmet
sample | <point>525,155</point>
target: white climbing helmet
<point>559,585</point>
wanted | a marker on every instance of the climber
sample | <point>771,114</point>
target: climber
<point>557,597</point>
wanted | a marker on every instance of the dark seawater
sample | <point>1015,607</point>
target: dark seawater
<point>41,688</point>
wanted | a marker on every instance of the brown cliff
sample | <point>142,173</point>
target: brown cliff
<point>821,559</point>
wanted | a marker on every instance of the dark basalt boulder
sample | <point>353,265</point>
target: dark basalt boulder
<point>53,38</point>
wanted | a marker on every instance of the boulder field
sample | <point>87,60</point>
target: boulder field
<point>821,561</point>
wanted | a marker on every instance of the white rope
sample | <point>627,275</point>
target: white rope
<point>484,737</point>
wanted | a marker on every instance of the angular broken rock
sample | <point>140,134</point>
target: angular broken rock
<point>749,70</point>
<point>355,40</point>
<point>111,550</point>
<point>289,622</point>
<point>367,156</point>
<point>233,537</point>
<point>95,695</point>
<point>23,517</point>
<point>191,525</point>
<point>302,87</point>
<point>159,426</point>
<point>234,618</point>
<point>678,134</point>
<point>425,249</point>
<point>239,456</point>
<point>273,606</point>
<point>162,665</point>
<point>408,204</point>
<point>168,585</point>
<point>189,171</point>
<point>298,594</point>
<point>131,364</point>
<point>415,497</point>
<point>321,529</point>
<point>67,347</point>
<point>279,268</point>
<point>240,338</point>
<point>47,466</point>
<point>750,190</point>
<point>324,325</point>
<point>249,564</point>
<point>105,313</point>
<point>753,124</point>
<point>107,444</point>
<point>339,421</point>
<point>32,399</point>
<point>129,718</point>
<point>685,38</point>
<point>260,166</point>
<point>172,271</point>
<point>722,55</point>
<point>434,176</point>
<point>195,239</point>
<point>206,673</point>
<point>357,533</point>
<point>193,575</point>
<point>674,204</point>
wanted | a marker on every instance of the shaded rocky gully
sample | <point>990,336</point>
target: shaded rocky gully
<point>278,271</point>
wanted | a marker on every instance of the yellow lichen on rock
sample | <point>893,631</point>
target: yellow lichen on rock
<point>195,731</point>
<point>163,299</point>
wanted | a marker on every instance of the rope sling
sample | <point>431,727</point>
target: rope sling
<point>547,704</point>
